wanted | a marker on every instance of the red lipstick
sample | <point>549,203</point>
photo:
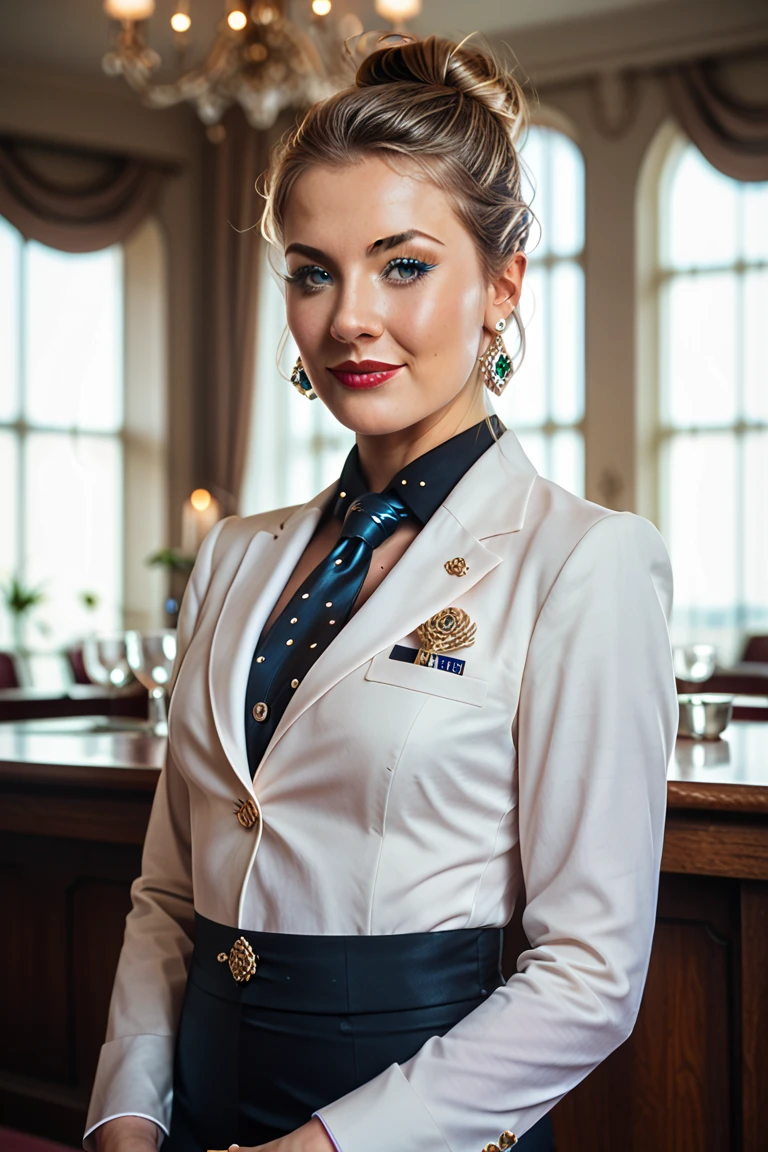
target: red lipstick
<point>364,373</point>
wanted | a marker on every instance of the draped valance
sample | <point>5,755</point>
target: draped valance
<point>729,131</point>
<point>74,201</point>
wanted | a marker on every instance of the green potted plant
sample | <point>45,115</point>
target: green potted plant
<point>89,600</point>
<point>178,564</point>
<point>20,600</point>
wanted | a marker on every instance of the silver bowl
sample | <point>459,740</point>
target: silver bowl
<point>704,716</point>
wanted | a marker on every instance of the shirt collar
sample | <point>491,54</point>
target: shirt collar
<point>424,483</point>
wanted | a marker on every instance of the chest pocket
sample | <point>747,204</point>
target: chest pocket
<point>466,689</point>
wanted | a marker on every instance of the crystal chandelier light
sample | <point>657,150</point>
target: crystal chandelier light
<point>398,11</point>
<point>259,59</point>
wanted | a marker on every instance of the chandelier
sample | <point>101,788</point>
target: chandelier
<point>260,58</point>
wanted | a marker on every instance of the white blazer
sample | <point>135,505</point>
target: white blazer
<point>396,798</point>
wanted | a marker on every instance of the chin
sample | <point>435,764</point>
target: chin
<point>372,413</point>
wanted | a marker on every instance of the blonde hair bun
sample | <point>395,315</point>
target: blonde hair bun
<point>462,68</point>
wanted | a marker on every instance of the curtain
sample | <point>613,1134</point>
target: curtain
<point>730,133</point>
<point>74,201</point>
<point>232,240</point>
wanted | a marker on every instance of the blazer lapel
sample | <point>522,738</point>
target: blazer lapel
<point>490,499</point>
<point>263,572</point>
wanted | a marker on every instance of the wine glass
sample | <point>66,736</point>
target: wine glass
<point>151,656</point>
<point>106,661</point>
<point>694,663</point>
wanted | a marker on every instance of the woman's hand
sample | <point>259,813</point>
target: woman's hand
<point>310,1137</point>
<point>127,1134</point>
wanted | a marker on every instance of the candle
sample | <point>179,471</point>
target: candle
<point>198,515</point>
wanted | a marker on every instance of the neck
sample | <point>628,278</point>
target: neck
<point>382,457</point>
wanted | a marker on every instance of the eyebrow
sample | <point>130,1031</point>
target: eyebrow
<point>400,238</point>
<point>382,245</point>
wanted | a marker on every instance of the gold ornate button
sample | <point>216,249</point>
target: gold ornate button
<point>507,1139</point>
<point>242,960</point>
<point>260,711</point>
<point>456,567</point>
<point>247,813</point>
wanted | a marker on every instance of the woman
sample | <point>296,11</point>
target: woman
<point>442,681</point>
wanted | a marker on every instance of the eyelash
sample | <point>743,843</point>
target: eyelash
<point>421,267</point>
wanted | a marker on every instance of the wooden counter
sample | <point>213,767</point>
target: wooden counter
<point>694,1073</point>
<point>77,700</point>
<point>74,805</point>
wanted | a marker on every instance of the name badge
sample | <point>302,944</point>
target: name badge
<point>433,660</point>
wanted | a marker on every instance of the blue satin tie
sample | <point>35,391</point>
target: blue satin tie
<point>314,616</point>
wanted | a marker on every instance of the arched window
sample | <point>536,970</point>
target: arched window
<point>297,448</point>
<point>544,404</point>
<point>76,437</point>
<point>711,296</point>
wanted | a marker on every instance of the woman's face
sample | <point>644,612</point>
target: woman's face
<point>386,297</point>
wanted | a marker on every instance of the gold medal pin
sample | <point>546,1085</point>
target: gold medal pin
<point>446,631</point>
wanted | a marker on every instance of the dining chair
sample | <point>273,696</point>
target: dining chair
<point>9,677</point>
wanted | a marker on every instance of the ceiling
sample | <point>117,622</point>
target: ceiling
<point>73,34</point>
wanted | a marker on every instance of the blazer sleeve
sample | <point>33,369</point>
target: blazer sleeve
<point>594,731</point>
<point>134,1076</point>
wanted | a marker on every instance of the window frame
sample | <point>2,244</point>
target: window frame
<point>551,119</point>
<point>655,433</point>
<point>141,440</point>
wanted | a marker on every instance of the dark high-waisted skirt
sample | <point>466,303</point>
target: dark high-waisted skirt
<point>321,1016</point>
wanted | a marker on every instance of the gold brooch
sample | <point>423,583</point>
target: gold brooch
<point>241,959</point>
<point>456,567</point>
<point>446,631</point>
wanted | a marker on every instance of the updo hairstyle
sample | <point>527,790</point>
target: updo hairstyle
<point>447,109</point>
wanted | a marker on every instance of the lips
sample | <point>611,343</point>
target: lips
<point>364,373</point>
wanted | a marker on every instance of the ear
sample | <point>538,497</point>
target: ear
<point>504,293</point>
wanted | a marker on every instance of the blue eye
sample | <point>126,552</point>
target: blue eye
<point>406,269</point>
<point>311,277</point>
<point>401,270</point>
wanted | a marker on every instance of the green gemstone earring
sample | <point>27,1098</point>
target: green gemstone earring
<point>496,363</point>
<point>301,381</point>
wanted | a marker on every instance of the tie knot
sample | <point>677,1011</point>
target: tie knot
<point>373,517</point>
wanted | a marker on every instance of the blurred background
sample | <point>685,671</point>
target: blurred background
<point>140,400</point>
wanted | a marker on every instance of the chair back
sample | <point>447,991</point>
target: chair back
<point>77,666</point>
<point>756,650</point>
<point>9,677</point>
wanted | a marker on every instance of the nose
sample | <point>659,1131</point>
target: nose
<point>356,316</point>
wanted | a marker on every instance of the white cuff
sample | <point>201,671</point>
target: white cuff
<point>134,1078</point>
<point>90,1144</point>
<point>331,1137</point>
<point>381,1115</point>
